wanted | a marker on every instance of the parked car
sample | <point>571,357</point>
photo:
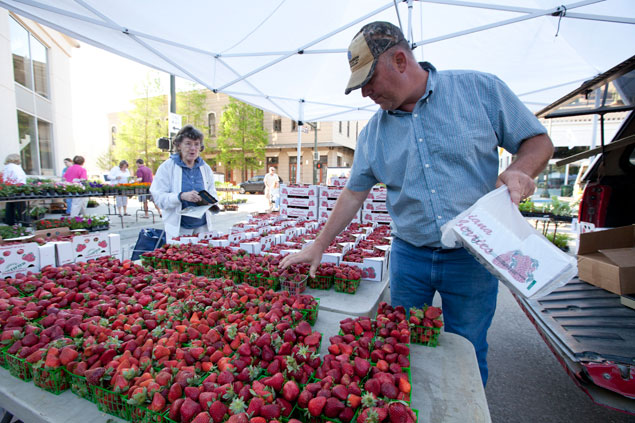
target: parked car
<point>255,185</point>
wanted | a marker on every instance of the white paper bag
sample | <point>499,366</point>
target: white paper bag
<point>499,237</point>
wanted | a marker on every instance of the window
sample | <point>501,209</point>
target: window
<point>211,123</point>
<point>294,126</point>
<point>36,156</point>
<point>277,125</point>
<point>348,128</point>
<point>30,63</point>
<point>340,122</point>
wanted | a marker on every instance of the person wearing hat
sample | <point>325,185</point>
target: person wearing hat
<point>434,143</point>
<point>120,175</point>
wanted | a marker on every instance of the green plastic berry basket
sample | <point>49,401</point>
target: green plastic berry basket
<point>141,414</point>
<point>269,282</point>
<point>347,286</point>
<point>423,335</point>
<point>19,367</point>
<point>251,279</point>
<point>311,314</point>
<point>193,268</point>
<point>111,403</point>
<point>3,361</point>
<point>51,380</point>
<point>292,286</point>
<point>321,282</point>
<point>79,386</point>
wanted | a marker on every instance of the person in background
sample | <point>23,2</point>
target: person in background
<point>120,175</point>
<point>270,179</point>
<point>275,196</point>
<point>13,174</point>
<point>144,174</point>
<point>434,143</point>
<point>67,163</point>
<point>179,180</point>
<point>77,173</point>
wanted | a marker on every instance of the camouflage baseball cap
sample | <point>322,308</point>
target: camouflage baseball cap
<point>369,43</point>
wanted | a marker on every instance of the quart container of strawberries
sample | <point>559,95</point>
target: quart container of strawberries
<point>193,268</point>
<point>321,282</point>
<point>251,279</point>
<point>295,285</point>
<point>79,386</point>
<point>425,325</point>
<point>111,402</point>
<point>147,260</point>
<point>19,367</point>
<point>269,282</point>
<point>347,286</point>
<point>51,380</point>
<point>141,414</point>
<point>424,335</point>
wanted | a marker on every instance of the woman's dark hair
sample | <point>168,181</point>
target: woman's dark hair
<point>188,131</point>
<point>123,163</point>
<point>78,160</point>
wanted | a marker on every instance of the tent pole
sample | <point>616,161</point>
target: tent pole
<point>298,161</point>
<point>410,31</point>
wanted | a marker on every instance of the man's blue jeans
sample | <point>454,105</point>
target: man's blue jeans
<point>468,291</point>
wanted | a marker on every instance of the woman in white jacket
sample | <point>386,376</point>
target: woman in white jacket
<point>178,181</point>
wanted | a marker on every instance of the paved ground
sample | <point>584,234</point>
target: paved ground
<point>526,383</point>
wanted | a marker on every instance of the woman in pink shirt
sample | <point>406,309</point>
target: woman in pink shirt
<point>77,173</point>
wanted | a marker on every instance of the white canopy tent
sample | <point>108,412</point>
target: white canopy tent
<point>289,57</point>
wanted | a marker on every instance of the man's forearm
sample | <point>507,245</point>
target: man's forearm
<point>348,203</point>
<point>533,155</point>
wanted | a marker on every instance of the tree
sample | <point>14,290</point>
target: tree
<point>143,125</point>
<point>242,139</point>
<point>106,160</point>
<point>190,104</point>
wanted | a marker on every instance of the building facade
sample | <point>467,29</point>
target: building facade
<point>36,107</point>
<point>336,143</point>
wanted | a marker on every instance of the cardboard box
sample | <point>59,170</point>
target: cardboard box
<point>114,242</point>
<point>379,206</point>
<point>63,253</point>
<point>299,202</point>
<point>47,255</point>
<point>330,192</point>
<point>51,233</point>
<point>606,259</point>
<point>373,268</point>
<point>300,191</point>
<point>383,217</point>
<point>19,258</point>
<point>327,204</point>
<point>87,247</point>
<point>379,195</point>
<point>308,212</point>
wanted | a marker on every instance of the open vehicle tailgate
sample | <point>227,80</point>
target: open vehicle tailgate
<point>593,336</point>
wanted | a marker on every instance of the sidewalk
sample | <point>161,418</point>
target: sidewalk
<point>128,227</point>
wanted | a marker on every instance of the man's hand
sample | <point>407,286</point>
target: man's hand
<point>191,196</point>
<point>311,254</point>
<point>520,184</point>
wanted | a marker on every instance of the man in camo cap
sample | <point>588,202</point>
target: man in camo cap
<point>434,144</point>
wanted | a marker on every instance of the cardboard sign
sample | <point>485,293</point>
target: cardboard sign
<point>86,247</point>
<point>20,258</point>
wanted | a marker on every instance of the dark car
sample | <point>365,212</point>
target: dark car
<point>253,185</point>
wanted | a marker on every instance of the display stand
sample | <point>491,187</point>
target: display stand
<point>446,382</point>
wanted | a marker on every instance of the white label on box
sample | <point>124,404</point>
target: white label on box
<point>330,192</point>
<point>379,206</point>
<point>308,213</point>
<point>377,195</point>
<point>328,204</point>
<point>86,247</point>
<point>20,258</point>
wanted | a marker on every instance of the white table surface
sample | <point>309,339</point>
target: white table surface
<point>363,303</point>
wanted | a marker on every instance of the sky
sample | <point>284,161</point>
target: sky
<point>102,83</point>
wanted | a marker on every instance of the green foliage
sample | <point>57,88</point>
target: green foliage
<point>561,240</point>
<point>190,105</point>
<point>242,138</point>
<point>142,126</point>
<point>8,232</point>
<point>560,208</point>
<point>107,160</point>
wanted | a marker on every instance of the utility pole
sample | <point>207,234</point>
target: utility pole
<point>316,156</point>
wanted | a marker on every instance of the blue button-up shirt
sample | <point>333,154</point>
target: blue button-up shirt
<point>441,158</point>
<point>192,179</point>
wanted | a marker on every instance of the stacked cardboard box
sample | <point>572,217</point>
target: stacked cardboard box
<point>374,208</point>
<point>299,201</point>
<point>328,198</point>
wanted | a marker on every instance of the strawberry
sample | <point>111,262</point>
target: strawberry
<point>316,405</point>
<point>401,413</point>
<point>189,409</point>
<point>175,392</point>
<point>333,407</point>
<point>275,382</point>
<point>217,411</point>
<point>290,391</point>
<point>270,411</point>
<point>203,417</point>
<point>158,403</point>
